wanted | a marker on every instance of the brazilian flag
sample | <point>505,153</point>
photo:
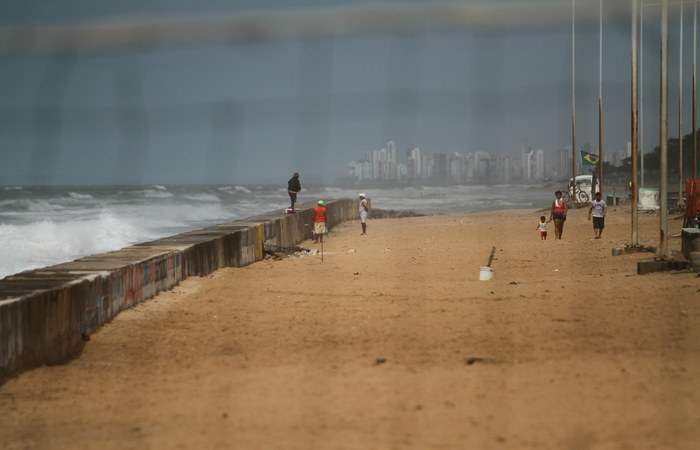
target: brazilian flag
<point>589,159</point>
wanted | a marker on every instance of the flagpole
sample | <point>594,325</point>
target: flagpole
<point>663,253</point>
<point>634,238</point>
<point>680,201</point>
<point>573,99</point>
<point>641,93</point>
<point>600,104</point>
<point>693,173</point>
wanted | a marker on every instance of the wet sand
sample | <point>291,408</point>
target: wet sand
<point>393,342</point>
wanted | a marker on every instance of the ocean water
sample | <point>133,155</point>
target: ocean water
<point>43,226</point>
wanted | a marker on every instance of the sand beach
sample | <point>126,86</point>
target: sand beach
<point>393,342</point>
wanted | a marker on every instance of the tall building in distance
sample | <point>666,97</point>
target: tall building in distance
<point>414,163</point>
<point>533,162</point>
<point>379,165</point>
<point>563,167</point>
<point>615,157</point>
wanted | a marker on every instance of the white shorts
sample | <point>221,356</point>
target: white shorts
<point>319,228</point>
<point>363,216</point>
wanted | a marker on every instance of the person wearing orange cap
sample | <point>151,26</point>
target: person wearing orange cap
<point>320,223</point>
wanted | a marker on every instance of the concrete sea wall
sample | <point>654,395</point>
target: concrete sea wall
<point>690,244</point>
<point>46,314</point>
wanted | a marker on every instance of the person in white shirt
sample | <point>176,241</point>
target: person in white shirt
<point>598,209</point>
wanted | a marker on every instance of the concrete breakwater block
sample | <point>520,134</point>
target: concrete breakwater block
<point>644,267</point>
<point>690,244</point>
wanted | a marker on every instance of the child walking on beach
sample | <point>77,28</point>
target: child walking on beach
<point>543,228</point>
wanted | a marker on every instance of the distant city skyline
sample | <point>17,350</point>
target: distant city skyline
<point>533,165</point>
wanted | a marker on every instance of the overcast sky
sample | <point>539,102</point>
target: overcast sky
<point>255,111</point>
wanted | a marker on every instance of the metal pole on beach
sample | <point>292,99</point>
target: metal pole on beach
<point>600,105</point>
<point>634,239</point>
<point>641,95</point>
<point>680,201</point>
<point>663,252</point>
<point>693,172</point>
<point>573,100</point>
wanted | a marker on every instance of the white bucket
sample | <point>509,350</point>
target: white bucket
<point>485,273</point>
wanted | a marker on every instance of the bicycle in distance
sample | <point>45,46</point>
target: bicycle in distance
<point>583,189</point>
<point>581,196</point>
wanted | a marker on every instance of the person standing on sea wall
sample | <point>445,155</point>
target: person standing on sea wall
<point>320,221</point>
<point>364,212</point>
<point>293,186</point>
<point>558,214</point>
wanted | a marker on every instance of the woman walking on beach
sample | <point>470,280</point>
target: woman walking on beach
<point>558,214</point>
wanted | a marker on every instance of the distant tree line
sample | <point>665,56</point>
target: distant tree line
<point>652,162</point>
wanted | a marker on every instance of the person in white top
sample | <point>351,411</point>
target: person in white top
<point>543,228</point>
<point>364,212</point>
<point>599,209</point>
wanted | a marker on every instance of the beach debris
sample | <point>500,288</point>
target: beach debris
<point>295,251</point>
<point>393,214</point>
<point>493,252</point>
<point>513,282</point>
<point>472,359</point>
<point>485,273</point>
<point>380,360</point>
<point>352,250</point>
<point>356,273</point>
<point>429,242</point>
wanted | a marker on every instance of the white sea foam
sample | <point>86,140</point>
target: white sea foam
<point>32,205</point>
<point>77,196</point>
<point>48,242</point>
<point>202,197</point>
<point>156,194</point>
<point>233,190</point>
